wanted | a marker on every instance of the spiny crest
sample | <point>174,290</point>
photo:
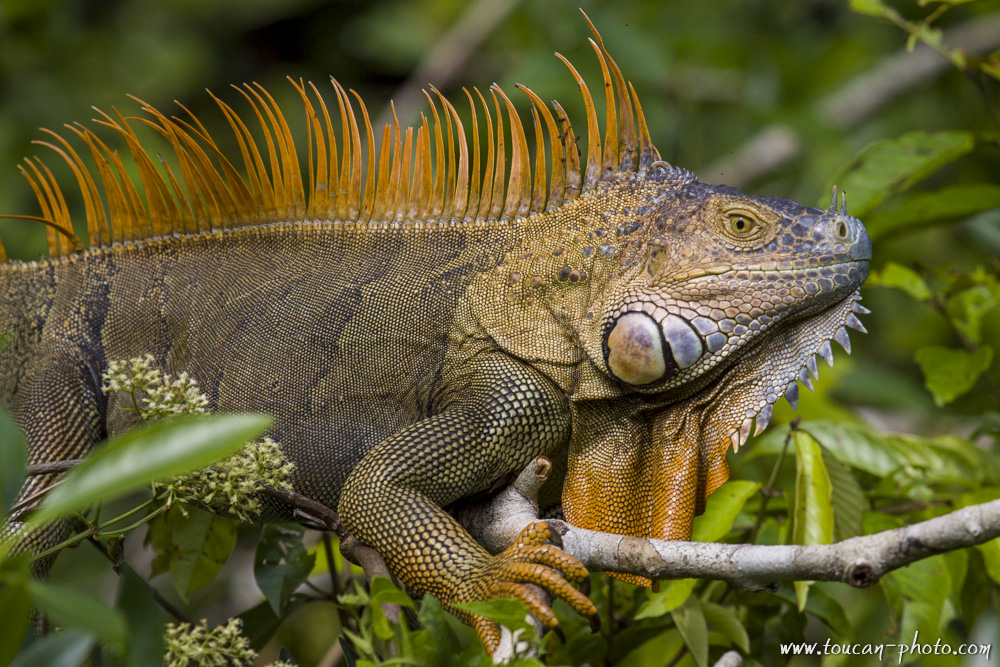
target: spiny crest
<point>423,177</point>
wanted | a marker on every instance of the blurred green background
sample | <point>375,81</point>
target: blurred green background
<point>773,97</point>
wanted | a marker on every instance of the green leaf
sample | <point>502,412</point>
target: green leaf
<point>260,623</point>
<point>991,558</point>
<point>854,445</point>
<point>891,166</point>
<point>949,373</point>
<point>154,451</point>
<point>676,592</point>
<point>13,459</point>
<point>690,621</point>
<point>924,208</point>
<point>15,601</point>
<point>871,8</point>
<point>65,649</point>
<point>724,620</point>
<point>147,620</point>
<point>193,544</point>
<point>967,309</point>
<point>654,652</point>
<point>721,510</point>
<point>846,497</point>
<point>438,643</point>
<point>821,605</point>
<point>919,617</point>
<point>510,613</point>
<point>74,610</point>
<point>990,551</point>
<point>813,511</point>
<point>383,591</point>
<point>927,580</point>
<point>281,563</point>
<point>901,278</point>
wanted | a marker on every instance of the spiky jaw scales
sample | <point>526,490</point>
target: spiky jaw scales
<point>783,380</point>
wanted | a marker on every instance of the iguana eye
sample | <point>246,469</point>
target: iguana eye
<point>741,224</point>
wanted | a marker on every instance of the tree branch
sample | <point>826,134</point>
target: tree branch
<point>859,561</point>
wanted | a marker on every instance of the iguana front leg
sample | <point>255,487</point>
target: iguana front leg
<point>506,415</point>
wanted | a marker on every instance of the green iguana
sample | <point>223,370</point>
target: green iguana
<point>424,325</point>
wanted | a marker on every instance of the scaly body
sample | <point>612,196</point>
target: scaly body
<point>419,344</point>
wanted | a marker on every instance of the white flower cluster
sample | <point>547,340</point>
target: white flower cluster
<point>196,646</point>
<point>231,486</point>
<point>154,394</point>
<point>228,487</point>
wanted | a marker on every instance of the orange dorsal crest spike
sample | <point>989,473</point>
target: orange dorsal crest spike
<point>442,171</point>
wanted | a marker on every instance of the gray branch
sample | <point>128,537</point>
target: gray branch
<point>859,561</point>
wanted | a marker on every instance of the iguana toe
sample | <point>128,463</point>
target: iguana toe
<point>530,560</point>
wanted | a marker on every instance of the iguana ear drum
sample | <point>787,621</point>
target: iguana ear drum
<point>634,350</point>
<point>639,351</point>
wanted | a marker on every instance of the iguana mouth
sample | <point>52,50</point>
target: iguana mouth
<point>768,269</point>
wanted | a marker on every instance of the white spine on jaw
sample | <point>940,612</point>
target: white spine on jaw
<point>635,347</point>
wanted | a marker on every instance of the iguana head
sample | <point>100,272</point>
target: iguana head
<point>710,305</point>
<point>718,272</point>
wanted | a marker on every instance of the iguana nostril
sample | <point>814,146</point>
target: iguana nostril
<point>840,230</point>
<point>635,350</point>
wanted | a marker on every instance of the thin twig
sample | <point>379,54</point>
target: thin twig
<point>677,656</point>
<point>156,595</point>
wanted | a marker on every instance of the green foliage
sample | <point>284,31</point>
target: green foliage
<point>813,510</point>
<point>72,609</point>
<point>192,544</point>
<point>891,166</point>
<point>150,452</point>
<point>905,430</point>
<point>949,373</point>
<point>281,563</point>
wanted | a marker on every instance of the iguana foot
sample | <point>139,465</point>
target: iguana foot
<point>530,560</point>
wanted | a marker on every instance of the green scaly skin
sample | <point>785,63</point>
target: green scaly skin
<point>409,369</point>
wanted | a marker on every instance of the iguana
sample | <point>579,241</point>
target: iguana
<point>424,325</point>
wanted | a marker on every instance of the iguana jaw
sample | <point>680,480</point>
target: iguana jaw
<point>668,341</point>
